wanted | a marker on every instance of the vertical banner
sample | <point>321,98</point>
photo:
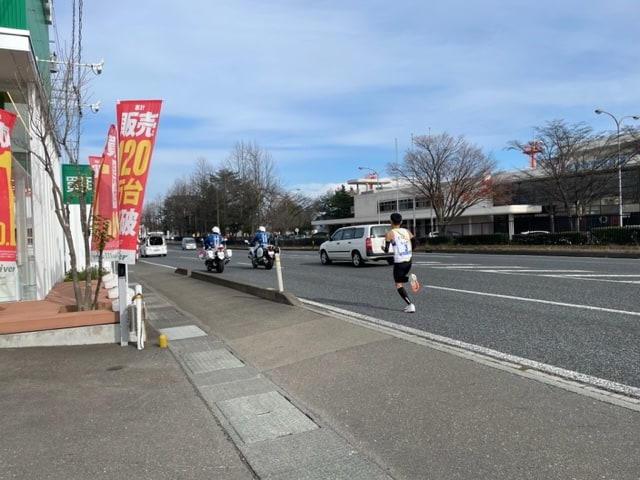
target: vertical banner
<point>94,163</point>
<point>137,126</point>
<point>7,222</point>
<point>105,199</point>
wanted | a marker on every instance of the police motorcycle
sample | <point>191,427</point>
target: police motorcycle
<point>216,256</point>
<point>262,254</point>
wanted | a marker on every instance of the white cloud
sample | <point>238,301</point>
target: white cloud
<point>331,85</point>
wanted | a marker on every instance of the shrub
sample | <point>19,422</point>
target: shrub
<point>629,235</point>
<point>563,238</point>
<point>442,240</point>
<point>82,274</point>
<point>491,239</point>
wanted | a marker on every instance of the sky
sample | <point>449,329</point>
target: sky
<point>328,86</point>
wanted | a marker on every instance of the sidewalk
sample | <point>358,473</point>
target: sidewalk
<point>250,385</point>
<point>413,410</point>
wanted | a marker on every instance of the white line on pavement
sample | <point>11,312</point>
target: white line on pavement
<point>537,300</point>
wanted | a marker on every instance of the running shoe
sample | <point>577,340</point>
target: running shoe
<point>413,280</point>
<point>411,308</point>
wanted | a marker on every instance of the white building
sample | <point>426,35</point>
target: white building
<point>375,200</point>
<point>40,245</point>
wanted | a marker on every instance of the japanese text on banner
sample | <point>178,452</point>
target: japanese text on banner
<point>138,124</point>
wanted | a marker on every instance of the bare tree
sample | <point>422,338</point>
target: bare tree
<point>289,211</point>
<point>229,200</point>
<point>152,219</point>
<point>255,169</point>
<point>450,172</point>
<point>177,207</point>
<point>207,197</point>
<point>573,167</point>
<point>203,196</point>
<point>55,126</point>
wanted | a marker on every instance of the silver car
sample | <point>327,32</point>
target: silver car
<point>153,244</point>
<point>357,244</point>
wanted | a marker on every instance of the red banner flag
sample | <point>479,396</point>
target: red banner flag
<point>105,198</point>
<point>137,126</point>
<point>94,163</point>
<point>7,222</point>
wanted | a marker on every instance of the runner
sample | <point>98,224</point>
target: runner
<point>403,242</point>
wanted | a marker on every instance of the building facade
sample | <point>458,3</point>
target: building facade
<point>40,245</point>
<point>530,206</point>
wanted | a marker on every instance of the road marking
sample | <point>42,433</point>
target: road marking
<point>536,300</point>
<point>602,275</point>
<point>155,264</point>
<point>596,278</point>
<point>549,273</point>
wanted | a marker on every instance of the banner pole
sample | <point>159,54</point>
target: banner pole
<point>122,303</point>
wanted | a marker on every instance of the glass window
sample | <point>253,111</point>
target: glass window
<point>348,233</point>
<point>379,231</point>
<point>156,241</point>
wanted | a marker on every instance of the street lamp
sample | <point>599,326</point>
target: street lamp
<point>95,107</point>
<point>96,68</point>
<point>618,121</point>
<point>371,170</point>
<point>377,178</point>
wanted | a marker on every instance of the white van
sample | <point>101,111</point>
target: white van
<point>189,243</point>
<point>153,244</point>
<point>358,244</point>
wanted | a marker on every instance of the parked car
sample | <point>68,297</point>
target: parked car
<point>189,243</point>
<point>543,237</point>
<point>153,244</point>
<point>358,244</point>
<point>449,233</point>
<point>319,237</point>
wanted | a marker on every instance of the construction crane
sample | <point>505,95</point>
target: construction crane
<point>531,148</point>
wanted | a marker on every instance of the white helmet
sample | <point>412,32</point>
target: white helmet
<point>262,229</point>
<point>215,230</point>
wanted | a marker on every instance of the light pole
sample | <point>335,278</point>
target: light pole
<point>618,121</point>
<point>397,189</point>
<point>374,193</point>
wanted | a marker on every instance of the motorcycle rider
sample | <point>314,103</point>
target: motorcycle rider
<point>260,240</point>
<point>213,239</point>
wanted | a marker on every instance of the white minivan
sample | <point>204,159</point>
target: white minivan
<point>189,243</point>
<point>153,244</point>
<point>357,244</point>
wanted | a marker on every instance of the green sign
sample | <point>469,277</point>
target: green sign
<point>75,180</point>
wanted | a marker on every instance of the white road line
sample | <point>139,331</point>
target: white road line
<point>536,300</point>
<point>552,270</point>
<point>594,275</point>
<point>549,273</point>
<point>155,264</point>
<point>589,279</point>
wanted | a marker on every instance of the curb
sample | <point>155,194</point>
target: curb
<point>285,298</point>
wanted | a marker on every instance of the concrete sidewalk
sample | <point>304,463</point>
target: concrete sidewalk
<point>308,395</point>
<point>252,388</point>
<point>107,412</point>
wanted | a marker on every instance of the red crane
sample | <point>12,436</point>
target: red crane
<point>531,149</point>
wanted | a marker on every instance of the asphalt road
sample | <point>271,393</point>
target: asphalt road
<point>579,314</point>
